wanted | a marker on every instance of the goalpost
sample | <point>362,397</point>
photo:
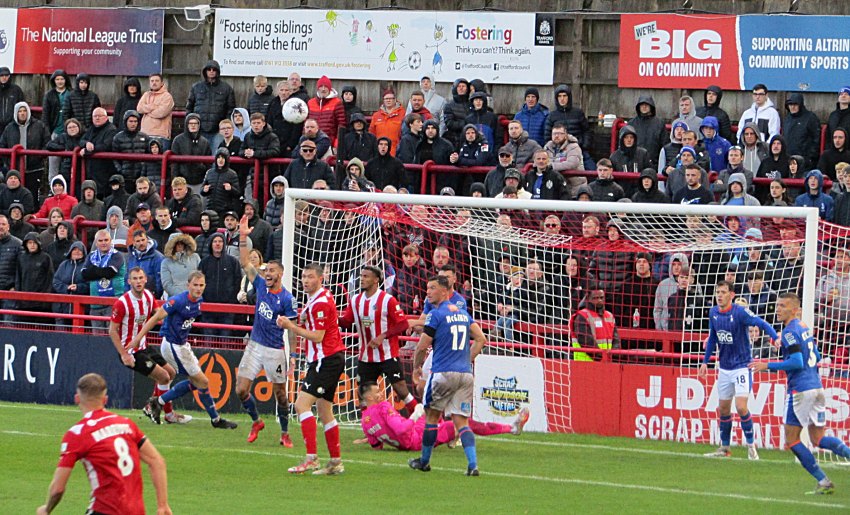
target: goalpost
<point>525,265</point>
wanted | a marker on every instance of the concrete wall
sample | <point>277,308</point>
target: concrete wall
<point>586,50</point>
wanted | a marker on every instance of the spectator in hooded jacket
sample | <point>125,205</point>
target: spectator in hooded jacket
<point>144,254</point>
<point>801,129</point>
<point>815,197</point>
<point>224,275</point>
<point>82,102</point>
<point>354,179</point>
<point>358,141</point>
<point>630,157</point>
<point>221,185</point>
<point>10,94</point>
<point>774,166</point>
<point>604,188</point>
<point>716,147</point>
<point>180,261</point>
<point>534,116</point>
<point>522,147</point>
<point>68,140</point>
<point>155,106</point>
<point>153,169</point>
<point>261,230</point>
<point>349,103</point>
<point>837,152</point>
<point>68,279</point>
<point>98,138</point>
<point>384,169</point>
<point>711,107</point>
<point>456,111</point>
<point>128,102</point>
<point>841,211</point>
<point>434,148</point>
<point>130,140</point>
<point>184,205</point>
<point>840,117</point>
<point>387,120</point>
<point>475,150</point>
<point>35,275</point>
<point>307,168</point>
<point>736,194</point>
<point>735,160</point>
<point>191,143</point>
<point>61,243</point>
<point>115,195</point>
<point>668,158</point>
<point>116,229</point>
<point>755,149</point>
<point>209,226</point>
<point>572,116</point>
<point>327,109</point>
<point>287,133</point>
<point>687,113</point>
<point>647,189</point>
<point>145,192</point>
<point>274,206</point>
<point>33,135</point>
<point>241,123</point>
<point>648,128</point>
<point>51,114</point>
<point>484,120</point>
<point>762,113</point>
<point>59,198</point>
<point>18,227</point>
<point>262,96</point>
<point>212,99</point>
<point>89,207</point>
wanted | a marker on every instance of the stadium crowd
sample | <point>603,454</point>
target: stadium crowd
<point>701,160</point>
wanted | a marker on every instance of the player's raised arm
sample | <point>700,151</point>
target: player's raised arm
<point>56,490</point>
<point>479,340</point>
<point>157,317</point>
<point>159,476</point>
<point>244,232</point>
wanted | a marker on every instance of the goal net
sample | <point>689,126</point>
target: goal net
<point>525,267</point>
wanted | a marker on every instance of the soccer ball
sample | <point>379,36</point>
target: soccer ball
<point>295,110</point>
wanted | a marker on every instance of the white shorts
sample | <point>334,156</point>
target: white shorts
<point>180,357</point>
<point>258,357</point>
<point>734,383</point>
<point>450,392</point>
<point>806,409</point>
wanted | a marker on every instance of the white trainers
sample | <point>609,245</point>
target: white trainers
<point>332,468</point>
<point>309,463</point>
<point>721,452</point>
<point>418,411</point>
<point>177,418</point>
<point>752,453</point>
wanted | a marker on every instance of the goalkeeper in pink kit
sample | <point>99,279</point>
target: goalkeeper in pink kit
<point>383,425</point>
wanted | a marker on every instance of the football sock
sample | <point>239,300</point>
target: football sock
<point>283,416</point>
<point>489,428</point>
<point>835,445</point>
<point>725,430</point>
<point>308,430</point>
<point>178,390</point>
<point>468,441</point>
<point>429,438</point>
<point>410,403</point>
<point>807,460</point>
<point>251,407</point>
<point>332,438</point>
<point>160,389</point>
<point>207,401</point>
<point>747,427</point>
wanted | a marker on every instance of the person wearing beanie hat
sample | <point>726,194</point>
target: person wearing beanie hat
<point>15,192</point>
<point>388,119</point>
<point>477,189</point>
<point>754,233</point>
<point>840,117</point>
<point>327,109</point>
<point>448,190</point>
<point>533,116</point>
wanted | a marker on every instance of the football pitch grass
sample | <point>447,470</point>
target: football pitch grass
<point>213,471</point>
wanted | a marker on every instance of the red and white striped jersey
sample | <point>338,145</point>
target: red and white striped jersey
<point>372,316</point>
<point>131,313</point>
<point>320,314</point>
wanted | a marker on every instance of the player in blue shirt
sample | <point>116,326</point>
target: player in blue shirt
<point>449,391</point>
<point>806,400</point>
<point>728,329</point>
<point>266,348</point>
<point>449,272</point>
<point>177,316</point>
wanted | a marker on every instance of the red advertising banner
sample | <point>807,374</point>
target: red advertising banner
<point>94,41</point>
<point>671,403</point>
<point>679,51</point>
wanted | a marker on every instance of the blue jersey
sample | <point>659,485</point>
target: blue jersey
<point>448,325</point>
<point>730,330</point>
<point>796,337</point>
<point>456,299</point>
<point>182,312</point>
<point>270,305</point>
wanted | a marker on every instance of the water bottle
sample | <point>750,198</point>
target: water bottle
<point>636,318</point>
<point>823,367</point>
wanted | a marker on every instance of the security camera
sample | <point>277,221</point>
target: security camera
<point>197,13</point>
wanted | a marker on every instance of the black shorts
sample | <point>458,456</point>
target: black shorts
<point>369,372</point>
<point>322,383</point>
<point>147,360</point>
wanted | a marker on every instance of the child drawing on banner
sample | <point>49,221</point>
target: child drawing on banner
<point>355,27</point>
<point>332,19</point>
<point>393,57</point>
<point>369,28</point>
<point>437,62</point>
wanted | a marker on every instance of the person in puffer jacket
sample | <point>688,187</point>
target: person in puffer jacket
<point>191,143</point>
<point>715,145</point>
<point>59,198</point>
<point>148,259</point>
<point>484,120</point>
<point>630,157</point>
<point>711,107</point>
<point>534,116</point>
<point>212,99</point>
<point>221,185</point>
<point>68,279</point>
<point>35,275</point>
<point>153,169</point>
<point>209,226</point>
<point>180,261</point>
<point>128,102</point>
<point>69,139</point>
<point>131,140</point>
<point>649,128</point>
<point>81,101</point>
<point>815,197</point>
<point>327,109</point>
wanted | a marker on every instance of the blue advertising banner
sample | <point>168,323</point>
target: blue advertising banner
<point>44,367</point>
<point>795,53</point>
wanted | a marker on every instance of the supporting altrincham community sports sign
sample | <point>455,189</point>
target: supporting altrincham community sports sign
<point>786,52</point>
<point>94,41</point>
<point>509,48</point>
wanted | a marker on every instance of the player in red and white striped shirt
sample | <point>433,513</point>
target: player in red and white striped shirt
<point>379,320</point>
<point>129,314</point>
<point>326,364</point>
